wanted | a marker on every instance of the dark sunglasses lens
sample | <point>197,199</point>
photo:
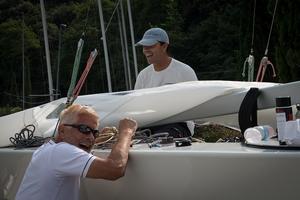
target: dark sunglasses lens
<point>87,130</point>
<point>84,129</point>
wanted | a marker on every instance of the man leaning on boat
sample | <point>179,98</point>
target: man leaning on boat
<point>56,167</point>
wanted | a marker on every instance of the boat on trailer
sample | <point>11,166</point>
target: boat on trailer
<point>199,171</point>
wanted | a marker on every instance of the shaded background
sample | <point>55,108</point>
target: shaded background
<point>212,36</point>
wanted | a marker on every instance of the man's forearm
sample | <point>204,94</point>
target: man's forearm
<point>119,152</point>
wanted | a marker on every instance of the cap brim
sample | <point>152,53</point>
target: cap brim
<point>146,42</point>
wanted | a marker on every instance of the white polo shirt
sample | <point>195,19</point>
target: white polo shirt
<point>54,172</point>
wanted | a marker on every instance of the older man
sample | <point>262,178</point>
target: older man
<point>56,167</point>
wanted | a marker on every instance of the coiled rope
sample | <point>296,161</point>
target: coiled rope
<point>107,139</point>
<point>25,138</point>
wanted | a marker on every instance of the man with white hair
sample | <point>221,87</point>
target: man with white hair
<point>56,167</point>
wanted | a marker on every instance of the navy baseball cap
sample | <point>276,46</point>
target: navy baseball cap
<point>153,36</point>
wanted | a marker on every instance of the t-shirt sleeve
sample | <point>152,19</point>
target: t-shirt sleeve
<point>188,74</point>
<point>72,161</point>
<point>139,81</point>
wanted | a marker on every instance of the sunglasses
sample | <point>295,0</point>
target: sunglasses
<point>84,129</point>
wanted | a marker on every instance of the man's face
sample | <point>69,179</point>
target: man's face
<point>76,137</point>
<point>155,53</point>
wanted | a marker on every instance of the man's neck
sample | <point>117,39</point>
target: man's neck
<point>163,64</point>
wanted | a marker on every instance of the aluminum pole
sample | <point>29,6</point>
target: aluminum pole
<point>60,33</point>
<point>47,50</point>
<point>23,61</point>
<point>132,38</point>
<point>104,46</point>
<point>126,45</point>
<point>123,50</point>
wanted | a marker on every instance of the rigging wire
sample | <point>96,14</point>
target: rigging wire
<point>78,56</point>
<point>253,24</point>
<point>21,140</point>
<point>249,62</point>
<point>86,19</point>
<point>75,92</point>
<point>112,15</point>
<point>265,62</point>
<point>266,51</point>
<point>70,96</point>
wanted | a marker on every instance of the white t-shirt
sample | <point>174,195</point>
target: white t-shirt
<point>176,72</point>
<point>54,172</point>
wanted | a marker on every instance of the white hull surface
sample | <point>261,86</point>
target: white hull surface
<point>227,171</point>
<point>153,106</point>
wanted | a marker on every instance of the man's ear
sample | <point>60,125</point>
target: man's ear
<point>60,132</point>
<point>165,46</point>
<point>61,128</point>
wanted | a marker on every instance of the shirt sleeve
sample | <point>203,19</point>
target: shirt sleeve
<point>190,74</point>
<point>138,83</point>
<point>71,161</point>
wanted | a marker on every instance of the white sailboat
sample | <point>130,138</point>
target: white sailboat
<point>228,171</point>
<point>202,170</point>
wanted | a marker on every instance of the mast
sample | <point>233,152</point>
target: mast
<point>132,38</point>
<point>23,62</point>
<point>123,51</point>
<point>125,45</point>
<point>50,82</point>
<point>61,29</point>
<point>104,46</point>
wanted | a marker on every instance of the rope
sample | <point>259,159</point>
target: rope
<point>110,135</point>
<point>86,19</point>
<point>274,12</point>
<point>22,140</point>
<point>249,61</point>
<point>253,25</point>
<point>25,138</point>
<point>107,139</point>
<point>78,57</point>
<point>265,62</point>
<point>112,15</point>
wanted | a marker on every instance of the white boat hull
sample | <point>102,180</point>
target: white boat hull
<point>227,171</point>
<point>153,106</point>
<point>201,171</point>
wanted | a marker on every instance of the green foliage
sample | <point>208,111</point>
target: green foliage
<point>212,36</point>
<point>288,48</point>
<point>9,110</point>
<point>215,132</point>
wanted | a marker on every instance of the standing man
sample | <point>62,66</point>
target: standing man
<point>56,167</point>
<point>163,69</point>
